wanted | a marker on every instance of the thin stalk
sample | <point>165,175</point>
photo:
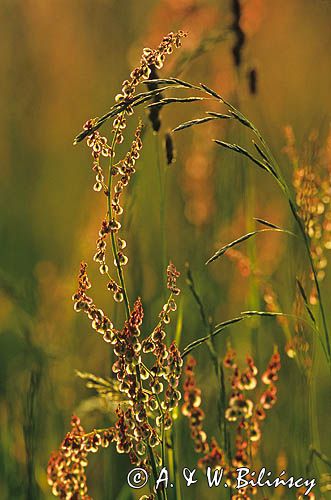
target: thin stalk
<point>215,360</point>
<point>113,240</point>
<point>162,186</point>
<point>154,470</point>
<point>173,461</point>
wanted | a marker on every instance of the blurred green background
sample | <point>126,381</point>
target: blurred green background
<point>62,63</point>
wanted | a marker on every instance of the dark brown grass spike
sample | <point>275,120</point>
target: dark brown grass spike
<point>305,300</point>
<point>171,100</point>
<point>211,92</point>
<point>238,116</point>
<point>260,151</point>
<point>173,81</point>
<point>266,223</point>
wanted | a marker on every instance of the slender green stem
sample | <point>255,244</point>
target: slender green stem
<point>162,186</point>
<point>154,470</point>
<point>173,462</point>
<point>113,240</point>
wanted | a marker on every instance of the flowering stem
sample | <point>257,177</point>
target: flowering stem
<point>173,459</point>
<point>154,470</point>
<point>123,286</point>
<point>113,240</point>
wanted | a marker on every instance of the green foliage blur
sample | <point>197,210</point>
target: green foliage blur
<point>64,62</point>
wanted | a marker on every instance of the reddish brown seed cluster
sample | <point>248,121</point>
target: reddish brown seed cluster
<point>82,302</point>
<point>66,467</point>
<point>131,373</point>
<point>269,377</point>
<point>150,58</point>
<point>100,148</point>
<point>168,362</point>
<point>240,407</point>
<point>243,411</point>
<point>96,142</point>
<point>133,430</point>
<point>111,225</point>
<point>117,290</point>
<point>100,256</point>
<point>125,169</point>
<point>214,458</point>
<point>127,347</point>
<point>191,408</point>
<point>172,276</point>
